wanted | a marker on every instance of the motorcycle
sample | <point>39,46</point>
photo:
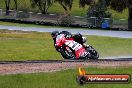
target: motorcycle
<point>74,50</point>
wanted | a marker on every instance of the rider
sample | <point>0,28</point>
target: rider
<point>77,37</point>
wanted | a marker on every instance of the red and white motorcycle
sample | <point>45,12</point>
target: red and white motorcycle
<point>74,50</point>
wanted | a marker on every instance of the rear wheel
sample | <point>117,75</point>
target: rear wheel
<point>94,54</point>
<point>68,55</point>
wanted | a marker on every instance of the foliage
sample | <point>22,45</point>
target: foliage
<point>65,20</point>
<point>66,4</point>
<point>56,8</point>
<point>43,5</point>
<point>99,10</point>
<point>7,5</point>
<point>82,3</point>
<point>118,5</point>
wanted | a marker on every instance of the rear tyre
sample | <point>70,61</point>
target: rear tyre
<point>68,55</point>
<point>94,54</point>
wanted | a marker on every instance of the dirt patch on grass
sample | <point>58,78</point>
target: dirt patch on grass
<point>52,67</point>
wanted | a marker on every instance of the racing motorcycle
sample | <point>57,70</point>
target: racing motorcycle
<point>74,50</point>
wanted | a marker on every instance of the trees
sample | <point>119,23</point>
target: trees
<point>65,19</point>
<point>66,4</point>
<point>120,5</point>
<point>117,5</point>
<point>98,10</point>
<point>82,3</point>
<point>130,15</point>
<point>43,5</point>
<point>15,1</point>
<point>7,4</point>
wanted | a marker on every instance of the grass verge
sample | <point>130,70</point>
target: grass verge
<point>61,79</point>
<point>25,25</point>
<point>18,45</point>
<point>36,25</point>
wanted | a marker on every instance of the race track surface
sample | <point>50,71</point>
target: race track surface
<point>120,34</point>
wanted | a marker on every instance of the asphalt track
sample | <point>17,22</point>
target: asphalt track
<point>119,34</point>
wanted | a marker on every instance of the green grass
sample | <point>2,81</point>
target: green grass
<point>56,8</point>
<point>31,46</point>
<point>16,45</point>
<point>35,25</point>
<point>61,79</point>
<point>24,25</point>
<point>76,10</point>
<point>117,16</point>
<point>108,46</point>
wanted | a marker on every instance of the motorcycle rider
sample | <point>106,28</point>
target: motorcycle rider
<point>77,37</point>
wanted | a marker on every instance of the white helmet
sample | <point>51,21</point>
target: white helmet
<point>83,39</point>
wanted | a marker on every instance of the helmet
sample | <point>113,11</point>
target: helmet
<point>83,39</point>
<point>54,34</point>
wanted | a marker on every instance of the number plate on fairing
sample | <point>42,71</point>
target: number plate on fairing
<point>72,44</point>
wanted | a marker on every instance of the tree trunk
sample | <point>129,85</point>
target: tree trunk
<point>15,1</point>
<point>44,12</point>
<point>7,11</point>
<point>7,2</point>
<point>64,7</point>
<point>130,25</point>
<point>130,18</point>
<point>44,8</point>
